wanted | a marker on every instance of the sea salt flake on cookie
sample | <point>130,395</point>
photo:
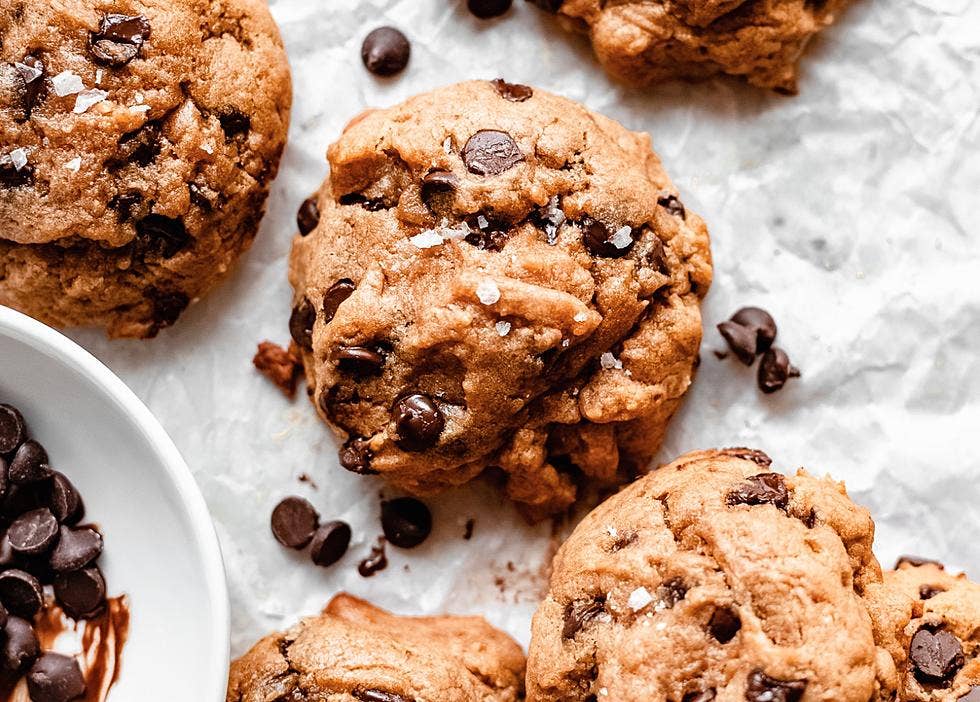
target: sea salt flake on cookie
<point>88,98</point>
<point>639,598</point>
<point>427,239</point>
<point>503,328</point>
<point>18,157</point>
<point>610,362</point>
<point>488,292</point>
<point>67,83</point>
<point>74,165</point>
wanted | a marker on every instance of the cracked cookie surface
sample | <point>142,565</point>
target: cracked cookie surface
<point>139,140</point>
<point>642,42</point>
<point>712,578</point>
<point>355,651</point>
<point>494,276</point>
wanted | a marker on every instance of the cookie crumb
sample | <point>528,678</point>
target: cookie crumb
<point>279,365</point>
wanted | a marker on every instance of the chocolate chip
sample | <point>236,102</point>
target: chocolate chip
<point>580,613</point>
<point>916,561</point>
<point>373,695</point>
<point>490,152</point>
<point>294,521</point>
<point>29,464</point>
<point>23,498</point>
<point>13,431</point>
<point>355,456</point>
<point>761,489</point>
<point>159,235</point>
<point>406,522</point>
<point>369,204</point>
<point>514,92</point>
<point>20,593</point>
<point>20,645</point>
<point>972,695</point>
<point>360,361</point>
<point>126,204</point>
<point>167,306</point>
<point>927,592</point>
<point>76,549</point>
<point>673,205</point>
<point>4,616</point>
<point>34,532</point>
<point>702,696</point>
<point>234,122</point>
<point>741,340</point>
<point>375,562</point>
<point>774,370</point>
<point>761,323</point>
<point>435,186</point>
<point>762,688</point>
<point>548,5</point>
<point>199,197</point>
<point>936,655</point>
<point>486,9</point>
<point>140,146</point>
<point>301,323</point>
<point>656,256</point>
<point>31,73</point>
<point>599,240</point>
<point>330,543</point>
<point>335,297</point>
<point>308,216</point>
<point>550,218</point>
<point>64,501</point>
<point>418,421</point>
<point>13,177</point>
<point>80,593</point>
<point>385,51</point>
<point>119,39</point>
<point>724,624</point>
<point>486,232</point>
<point>755,455</point>
<point>55,678</point>
<point>468,529</point>
<point>624,540</point>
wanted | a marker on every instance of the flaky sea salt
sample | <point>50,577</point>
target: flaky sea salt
<point>88,98</point>
<point>610,362</point>
<point>447,145</point>
<point>503,328</point>
<point>488,292</point>
<point>581,316</point>
<point>611,530</point>
<point>639,598</point>
<point>74,164</point>
<point>139,108</point>
<point>207,148</point>
<point>622,238</point>
<point>427,239</point>
<point>18,157</point>
<point>98,76</point>
<point>67,83</point>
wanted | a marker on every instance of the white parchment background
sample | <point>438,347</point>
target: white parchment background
<point>848,211</point>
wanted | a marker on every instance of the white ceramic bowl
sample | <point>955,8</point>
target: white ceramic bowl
<point>161,549</point>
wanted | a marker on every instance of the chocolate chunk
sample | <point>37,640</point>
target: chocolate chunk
<point>13,177</point>
<point>550,218</point>
<point>599,240</point>
<point>126,205</point>
<point>673,205</point>
<point>972,695</point>
<point>724,624</point>
<point>31,73</point>
<point>762,688</point>
<point>158,235</point>
<point>29,464</point>
<point>385,51</point>
<point>81,593</point>
<point>167,307</point>
<point>761,489</point>
<point>373,695</point>
<point>486,9</point>
<point>548,5</point>
<point>13,430</point>
<point>702,696</point>
<point>355,456</point>
<point>418,421</point>
<point>360,361</point>
<point>34,532</point>
<point>741,340</point>
<point>76,549</point>
<point>515,92</point>
<point>580,613</point>
<point>375,562</point>
<point>486,232</point>
<point>20,645</point>
<point>936,655</point>
<point>335,297</point>
<point>656,256</point>
<point>294,521</point>
<point>141,146</point>
<point>301,323</point>
<point>755,455</point>
<point>916,561</point>
<point>774,370</point>
<point>369,204</point>
<point>406,522</point>
<point>20,593</point>
<point>119,39</point>
<point>308,216</point>
<point>330,543</point>
<point>199,197</point>
<point>927,592</point>
<point>234,123</point>
<point>55,678</point>
<point>761,323</point>
<point>671,591</point>
<point>437,185</point>
<point>64,501</point>
<point>490,152</point>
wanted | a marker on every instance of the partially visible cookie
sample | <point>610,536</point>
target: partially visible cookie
<point>137,145</point>
<point>355,651</point>
<point>643,42</point>
<point>712,578</point>
<point>929,621</point>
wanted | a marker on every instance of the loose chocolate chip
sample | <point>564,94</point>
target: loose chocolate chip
<point>673,205</point>
<point>23,498</point>
<point>330,543</point>
<point>580,613</point>
<point>486,9</point>
<point>20,645</point>
<point>34,532</point>
<point>336,296</point>
<point>379,696</point>
<point>294,521</point>
<point>724,624</point>
<point>301,323</point>
<point>927,592</point>
<point>762,688</point>
<point>64,501</point>
<point>126,204</point>
<point>360,361</point>
<point>4,616</point>
<point>741,340</point>
<point>702,696</point>
<point>774,370</point>
<point>671,591</point>
<point>55,678</point>
<point>972,695</point>
<point>369,204</point>
<point>761,323</point>
<point>406,522</point>
<point>761,489</point>
<point>375,562</point>
<point>119,39</point>
<point>76,549</point>
<point>548,5</point>
<point>435,185</point>
<point>308,216</point>
<point>418,421</point>
<point>20,593</point>
<point>167,306</point>
<point>936,655</point>
<point>486,232</point>
<point>140,146</point>
<point>515,92</point>
<point>13,431</point>
<point>916,561</point>
<point>29,464</point>
<point>158,235</point>
<point>600,241</point>
<point>13,177</point>
<point>31,73</point>
<point>80,593</point>
<point>234,123</point>
<point>490,152</point>
<point>385,51</point>
<point>8,557</point>
<point>550,218</point>
<point>355,456</point>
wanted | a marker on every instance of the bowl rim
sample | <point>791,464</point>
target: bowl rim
<point>32,332</point>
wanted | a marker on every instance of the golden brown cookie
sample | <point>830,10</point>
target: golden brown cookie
<point>494,276</point>
<point>642,42</point>
<point>355,651</point>
<point>712,578</point>
<point>137,145</point>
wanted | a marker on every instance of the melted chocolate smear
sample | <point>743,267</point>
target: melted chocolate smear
<point>375,562</point>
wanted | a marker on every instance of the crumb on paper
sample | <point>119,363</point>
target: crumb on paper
<point>281,366</point>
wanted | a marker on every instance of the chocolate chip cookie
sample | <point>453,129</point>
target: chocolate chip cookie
<point>137,144</point>
<point>929,621</point>
<point>494,276</point>
<point>354,651</point>
<point>712,578</point>
<point>643,42</point>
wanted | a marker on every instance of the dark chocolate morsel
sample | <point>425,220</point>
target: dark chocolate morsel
<point>385,51</point>
<point>20,646</point>
<point>927,592</point>
<point>916,561</point>
<point>29,464</point>
<point>234,122</point>
<point>762,688</point>
<point>406,522</point>
<point>360,361</point>
<point>724,624</point>
<point>600,241</point>
<point>761,489</point>
<point>64,501</point>
<point>76,549</point>
<point>515,92</point>
<point>308,216</point>
<point>13,177</point>
<point>81,593</point>
<point>355,456</point>
<point>55,678</point>
<point>301,323</point>
<point>141,146</point>
<point>21,593</point>
<point>673,205</point>
<point>936,655</point>
<point>32,74</point>
<point>487,9</point>
<point>760,323</point>
<point>374,562</point>
<point>13,430</point>
<point>741,340</point>
<point>330,543</point>
<point>418,422</point>
<point>550,218</point>
<point>34,532</point>
<point>580,613</point>
<point>369,204</point>
<point>436,184</point>
<point>294,521</point>
<point>119,39</point>
<point>486,232</point>
<point>167,306</point>
<point>774,370</point>
<point>490,152</point>
<point>126,204</point>
<point>159,235</point>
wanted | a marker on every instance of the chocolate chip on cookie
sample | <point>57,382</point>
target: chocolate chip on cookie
<point>673,205</point>
<point>294,521</point>
<point>32,74</point>
<point>336,296</point>
<point>515,92</point>
<point>605,242</point>
<point>916,561</point>
<point>762,688</point>
<point>491,152</point>
<point>927,592</point>
<point>373,695</point>
<point>724,624</point>
<point>406,522</point>
<point>418,421</point>
<point>550,218</point>
<point>936,655</point>
<point>360,361</point>
<point>436,186</point>
<point>701,696</point>
<point>159,235</point>
<point>119,39</point>
<point>761,489</point>
<point>307,216</point>
<point>301,323</point>
<point>15,171</point>
<point>355,456</point>
<point>385,51</point>
<point>580,613</point>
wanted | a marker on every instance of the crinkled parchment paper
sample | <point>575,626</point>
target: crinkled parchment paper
<point>850,212</point>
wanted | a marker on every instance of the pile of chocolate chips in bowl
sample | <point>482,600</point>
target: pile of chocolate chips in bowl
<point>47,567</point>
